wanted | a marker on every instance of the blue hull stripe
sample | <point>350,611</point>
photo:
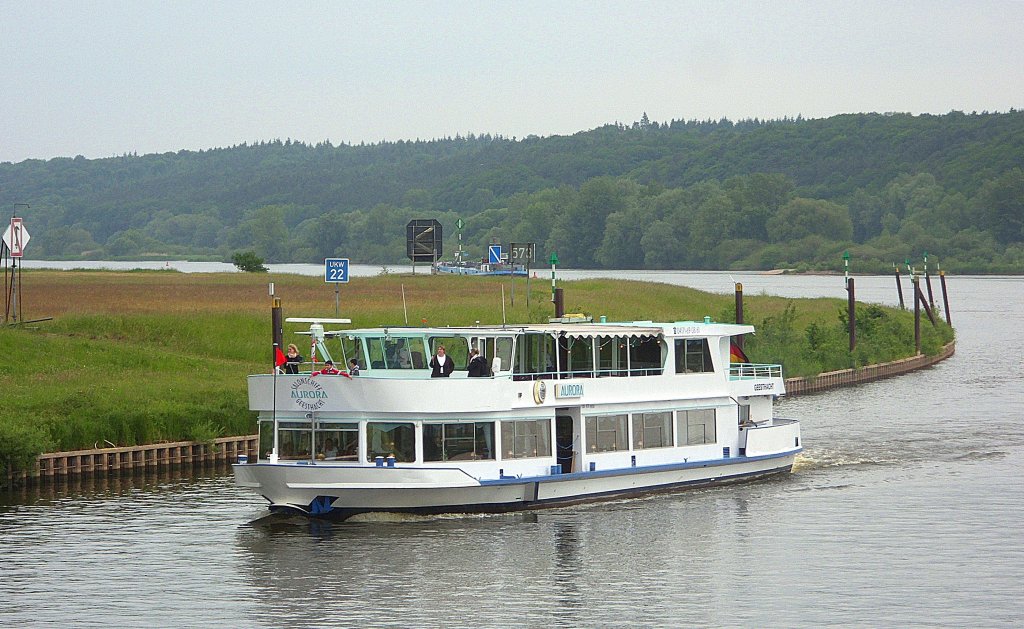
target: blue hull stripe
<point>341,513</point>
<point>632,471</point>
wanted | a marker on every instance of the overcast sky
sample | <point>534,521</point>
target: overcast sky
<point>103,78</point>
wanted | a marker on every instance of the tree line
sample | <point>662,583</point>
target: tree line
<point>752,194</point>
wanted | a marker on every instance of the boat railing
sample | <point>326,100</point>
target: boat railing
<point>589,373</point>
<point>753,371</point>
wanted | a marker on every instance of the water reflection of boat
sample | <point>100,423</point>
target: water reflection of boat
<point>567,412</point>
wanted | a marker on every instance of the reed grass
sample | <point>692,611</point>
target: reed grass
<point>132,358</point>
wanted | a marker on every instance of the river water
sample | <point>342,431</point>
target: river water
<point>904,510</point>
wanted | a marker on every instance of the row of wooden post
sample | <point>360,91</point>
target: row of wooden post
<point>851,309</point>
<point>143,457</point>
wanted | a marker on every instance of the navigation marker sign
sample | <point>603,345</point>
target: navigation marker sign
<point>336,270</point>
<point>494,254</point>
<point>16,237</point>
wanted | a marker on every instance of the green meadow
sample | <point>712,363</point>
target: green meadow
<point>144,357</point>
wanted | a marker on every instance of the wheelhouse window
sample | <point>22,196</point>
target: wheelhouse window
<point>396,352</point>
<point>386,438</point>
<point>645,356</point>
<point>693,356</point>
<point>458,441</point>
<point>607,433</point>
<point>455,347</point>
<point>525,439</point>
<point>503,351</point>
<point>351,347</point>
<point>535,356</point>
<point>652,430</point>
<point>497,351</point>
<point>337,442</point>
<point>696,427</point>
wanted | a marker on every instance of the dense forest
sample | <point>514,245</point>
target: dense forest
<point>753,194</point>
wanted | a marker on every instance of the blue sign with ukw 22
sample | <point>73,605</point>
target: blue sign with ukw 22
<point>336,270</point>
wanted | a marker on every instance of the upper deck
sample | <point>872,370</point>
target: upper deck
<point>530,369</point>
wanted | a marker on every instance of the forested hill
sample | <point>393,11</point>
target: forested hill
<point>683,194</point>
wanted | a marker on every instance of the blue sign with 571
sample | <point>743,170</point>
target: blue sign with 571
<point>336,270</point>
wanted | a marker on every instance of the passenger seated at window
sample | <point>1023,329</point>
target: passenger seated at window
<point>330,451</point>
<point>400,357</point>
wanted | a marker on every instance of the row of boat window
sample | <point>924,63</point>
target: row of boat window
<point>534,354</point>
<point>474,441</point>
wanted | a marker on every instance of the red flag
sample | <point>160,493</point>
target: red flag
<point>736,354</point>
<point>279,358</point>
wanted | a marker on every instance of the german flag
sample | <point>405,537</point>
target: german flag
<point>736,354</point>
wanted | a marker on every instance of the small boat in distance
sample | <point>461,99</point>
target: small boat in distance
<point>464,267</point>
<point>560,413</point>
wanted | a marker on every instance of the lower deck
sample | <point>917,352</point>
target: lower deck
<point>322,492</point>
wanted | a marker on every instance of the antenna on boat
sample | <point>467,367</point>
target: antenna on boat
<point>316,334</point>
<point>404,308</point>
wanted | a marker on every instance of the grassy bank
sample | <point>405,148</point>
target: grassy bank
<point>142,357</point>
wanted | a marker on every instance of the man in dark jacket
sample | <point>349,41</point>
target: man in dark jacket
<point>477,364</point>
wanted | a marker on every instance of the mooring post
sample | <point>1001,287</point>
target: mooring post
<point>917,316</point>
<point>739,312</point>
<point>945,298</point>
<point>928,283</point>
<point>899,287</point>
<point>554,263</point>
<point>278,328</point>
<point>851,313</point>
<point>924,304</point>
<point>559,302</point>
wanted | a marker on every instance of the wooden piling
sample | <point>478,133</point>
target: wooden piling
<point>899,287</point>
<point>917,317</point>
<point>139,459</point>
<point>850,377</point>
<point>739,312</point>
<point>924,304</point>
<point>559,303</point>
<point>851,313</point>
<point>931,297</point>
<point>945,298</point>
<point>278,329</point>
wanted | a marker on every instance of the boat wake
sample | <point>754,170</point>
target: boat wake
<point>981,456</point>
<point>817,459</point>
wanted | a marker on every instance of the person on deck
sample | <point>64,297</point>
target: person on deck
<point>328,370</point>
<point>292,359</point>
<point>441,366</point>
<point>353,367</point>
<point>477,365</point>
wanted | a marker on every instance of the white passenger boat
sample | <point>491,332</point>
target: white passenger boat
<point>481,268</point>
<point>567,412</point>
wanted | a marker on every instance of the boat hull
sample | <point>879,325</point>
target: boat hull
<point>330,492</point>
